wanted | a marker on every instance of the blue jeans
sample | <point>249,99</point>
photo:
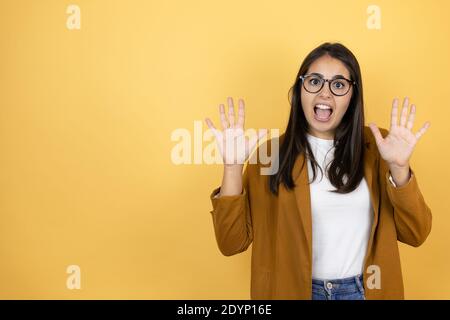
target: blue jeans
<point>340,289</point>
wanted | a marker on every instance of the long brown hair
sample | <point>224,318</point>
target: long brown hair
<point>348,141</point>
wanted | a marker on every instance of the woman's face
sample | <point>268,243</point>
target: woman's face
<point>328,67</point>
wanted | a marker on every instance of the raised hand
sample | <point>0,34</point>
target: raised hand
<point>397,147</point>
<point>233,145</point>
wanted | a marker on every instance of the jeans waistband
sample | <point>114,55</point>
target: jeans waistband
<point>334,288</point>
<point>355,279</point>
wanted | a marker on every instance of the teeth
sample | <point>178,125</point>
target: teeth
<point>322,106</point>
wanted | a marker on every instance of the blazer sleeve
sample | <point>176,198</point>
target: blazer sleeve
<point>232,219</point>
<point>412,216</point>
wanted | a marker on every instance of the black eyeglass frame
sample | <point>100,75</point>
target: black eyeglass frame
<point>303,78</point>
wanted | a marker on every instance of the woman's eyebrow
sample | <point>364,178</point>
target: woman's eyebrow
<point>338,76</point>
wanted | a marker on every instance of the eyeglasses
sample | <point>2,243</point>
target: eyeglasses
<point>314,83</point>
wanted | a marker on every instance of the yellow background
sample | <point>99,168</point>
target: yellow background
<point>86,116</point>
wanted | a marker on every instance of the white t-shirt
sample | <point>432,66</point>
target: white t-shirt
<point>341,223</point>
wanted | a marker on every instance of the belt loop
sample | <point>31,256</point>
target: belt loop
<point>359,282</point>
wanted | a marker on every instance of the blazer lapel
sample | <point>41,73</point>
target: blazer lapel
<point>302,197</point>
<point>371,175</point>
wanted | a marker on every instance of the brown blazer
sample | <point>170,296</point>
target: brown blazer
<point>280,230</point>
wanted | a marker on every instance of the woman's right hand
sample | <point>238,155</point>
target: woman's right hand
<point>232,135</point>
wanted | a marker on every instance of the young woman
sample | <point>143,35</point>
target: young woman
<point>334,236</point>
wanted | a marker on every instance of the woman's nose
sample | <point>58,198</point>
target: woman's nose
<point>325,91</point>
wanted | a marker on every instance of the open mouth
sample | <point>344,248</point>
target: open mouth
<point>322,112</point>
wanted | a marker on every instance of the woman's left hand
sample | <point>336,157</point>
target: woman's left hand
<point>397,147</point>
